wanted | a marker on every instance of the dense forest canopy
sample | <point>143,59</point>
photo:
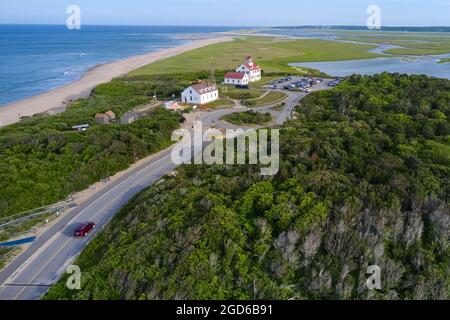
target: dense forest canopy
<point>43,160</point>
<point>364,180</point>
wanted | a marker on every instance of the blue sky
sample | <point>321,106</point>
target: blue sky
<point>228,12</point>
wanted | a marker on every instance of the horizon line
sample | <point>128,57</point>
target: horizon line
<point>229,26</point>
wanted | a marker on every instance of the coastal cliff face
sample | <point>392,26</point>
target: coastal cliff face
<point>364,181</point>
<point>396,241</point>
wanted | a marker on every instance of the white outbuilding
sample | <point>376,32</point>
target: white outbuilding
<point>200,93</point>
<point>237,78</point>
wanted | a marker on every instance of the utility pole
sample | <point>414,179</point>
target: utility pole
<point>213,73</point>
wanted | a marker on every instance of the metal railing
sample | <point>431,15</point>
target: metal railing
<point>33,213</point>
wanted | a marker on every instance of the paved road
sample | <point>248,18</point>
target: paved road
<point>42,264</point>
<point>45,261</point>
<point>281,116</point>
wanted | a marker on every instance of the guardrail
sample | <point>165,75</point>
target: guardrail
<point>32,216</point>
<point>34,213</point>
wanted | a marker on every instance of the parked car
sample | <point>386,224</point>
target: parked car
<point>84,229</point>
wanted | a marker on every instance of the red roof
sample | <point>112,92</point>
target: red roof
<point>254,67</point>
<point>110,114</point>
<point>235,75</point>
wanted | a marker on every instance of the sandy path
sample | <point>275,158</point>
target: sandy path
<point>56,99</point>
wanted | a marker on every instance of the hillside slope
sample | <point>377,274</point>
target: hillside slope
<point>364,180</point>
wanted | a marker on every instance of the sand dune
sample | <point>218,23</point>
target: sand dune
<point>56,100</point>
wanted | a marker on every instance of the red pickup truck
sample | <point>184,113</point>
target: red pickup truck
<point>84,229</point>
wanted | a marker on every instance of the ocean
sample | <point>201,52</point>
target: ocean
<point>38,58</point>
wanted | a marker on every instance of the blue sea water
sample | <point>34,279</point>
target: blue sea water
<point>37,58</point>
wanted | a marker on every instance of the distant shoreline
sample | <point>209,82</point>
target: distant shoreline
<point>410,29</point>
<point>56,100</point>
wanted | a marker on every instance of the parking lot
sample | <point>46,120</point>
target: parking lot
<point>302,84</point>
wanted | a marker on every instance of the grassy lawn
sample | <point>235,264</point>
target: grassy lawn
<point>248,118</point>
<point>273,54</point>
<point>221,103</point>
<point>271,98</point>
<point>240,94</point>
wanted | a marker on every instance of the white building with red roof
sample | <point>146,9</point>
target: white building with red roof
<point>250,68</point>
<point>200,93</point>
<point>237,78</point>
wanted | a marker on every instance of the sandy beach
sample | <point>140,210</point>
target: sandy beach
<point>55,100</point>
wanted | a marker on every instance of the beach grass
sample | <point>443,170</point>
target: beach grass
<point>273,54</point>
<point>446,60</point>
